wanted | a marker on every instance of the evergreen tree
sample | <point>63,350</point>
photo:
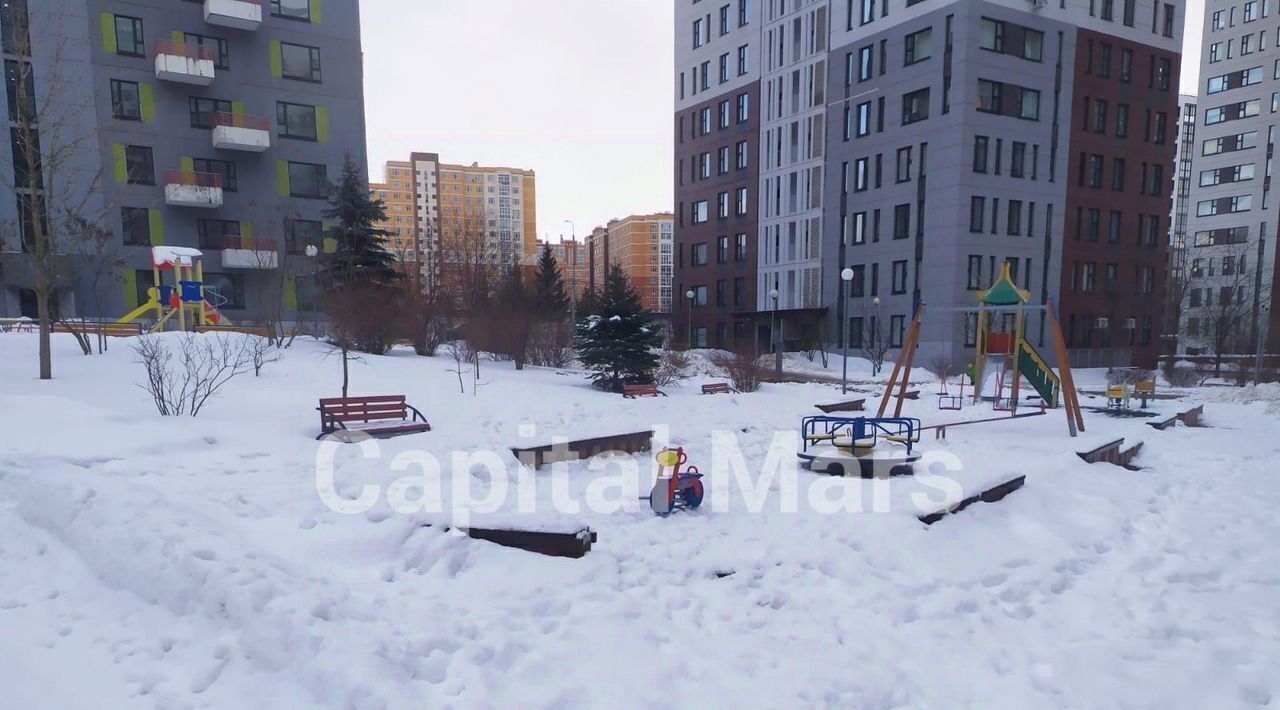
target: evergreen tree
<point>619,344</point>
<point>589,304</point>
<point>360,254</point>
<point>550,301</point>
<point>514,317</point>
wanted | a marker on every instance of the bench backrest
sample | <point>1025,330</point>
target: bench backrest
<point>716,387</point>
<point>639,389</point>
<point>113,330</point>
<point>365,409</point>
<point>1145,387</point>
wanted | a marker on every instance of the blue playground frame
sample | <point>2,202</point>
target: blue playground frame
<point>820,428</point>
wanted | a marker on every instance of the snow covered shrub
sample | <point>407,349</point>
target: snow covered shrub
<point>1180,374</point>
<point>262,352</point>
<point>185,371</point>
<point>673,366</point>
<point>744,370</point>
<point>1129,376</point>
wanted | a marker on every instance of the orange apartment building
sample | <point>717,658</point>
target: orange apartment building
<point>396,191</point>
<point>571,257</point>
<point>642,246</point>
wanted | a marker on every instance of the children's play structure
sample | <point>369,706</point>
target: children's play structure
<point>185,301</point>
<point>675,489</point>
<point>1001,344</point>
<point>868,446</point>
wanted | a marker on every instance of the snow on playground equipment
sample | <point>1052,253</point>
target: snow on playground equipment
<point>185,299</point>
<point>946,400</point>
<point>675,489</point>
<point>840,445</point>
<point>1019,359</point>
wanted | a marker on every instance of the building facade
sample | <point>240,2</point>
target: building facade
<point>571,259</point>
<point>643,245</point>
<point>1176,281</point>
<point>717,132</point>
<point>219,125</point>
<point>923,145</point>
<point>396,192</point>
<point>1230,257</point>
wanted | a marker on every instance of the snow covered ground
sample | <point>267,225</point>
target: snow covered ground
<point>192,563</point>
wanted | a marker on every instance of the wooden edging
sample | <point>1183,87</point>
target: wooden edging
<point>1111,452</point>
<point>574,545</point>
<point>536,457</point>
<point>853,405</point>
<point>991,495</point>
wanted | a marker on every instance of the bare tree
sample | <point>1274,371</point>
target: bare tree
<point>873,343</point>
<point>744,369</point>
<point>262,352</point>
<point>457,352</point>
<point>205,364</point>
<point>50,134</point>
<point>1226,297</point>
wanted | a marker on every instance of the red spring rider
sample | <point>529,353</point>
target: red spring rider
<point>675,489</point>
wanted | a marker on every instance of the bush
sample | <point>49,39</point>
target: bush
<point>673,366</point>
<point>366,317</point>
<point>551,345</point>
<point>1179,375</point>
<point>205,363</point>
<point>744,370</point>
<point>1129,376</point>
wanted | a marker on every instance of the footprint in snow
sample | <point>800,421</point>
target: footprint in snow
<point>12,604</point>
<point>206,555</point>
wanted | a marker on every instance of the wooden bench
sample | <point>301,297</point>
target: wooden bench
<point>991,495</point>
<point>718,388</point>
<point>853,405</point>
<point>633,391</point>
<point>260,331</point>
<point>380,416</point>
<point>111,330</point>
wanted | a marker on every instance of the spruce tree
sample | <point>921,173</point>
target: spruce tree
<point>550,301</point>
<point>589,304</point>
<point>360,254</point>
<point>619,344</point>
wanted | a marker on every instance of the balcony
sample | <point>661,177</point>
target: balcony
<point>236,14</point>
<point>184,63</point>
<point>184,188</point>
<point>246,253</point>
<point>247,133</point>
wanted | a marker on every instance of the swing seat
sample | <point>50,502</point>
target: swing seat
<point>848,442</point>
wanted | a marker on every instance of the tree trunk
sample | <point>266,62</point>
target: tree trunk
<point>42,313</point>
<point>345,375</point>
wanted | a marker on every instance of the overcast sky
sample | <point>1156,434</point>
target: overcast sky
<point>578,90</point>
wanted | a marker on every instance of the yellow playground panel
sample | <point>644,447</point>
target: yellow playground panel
<point>183,301</point>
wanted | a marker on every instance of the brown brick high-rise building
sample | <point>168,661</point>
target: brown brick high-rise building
<point>642,246</point>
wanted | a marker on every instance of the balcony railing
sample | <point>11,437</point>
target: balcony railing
<point>250,253</point>
<point>248,133</point>
<point>184,62</point>
<point>191,178</point>
<point>186,188</point>
<point>237,14</point>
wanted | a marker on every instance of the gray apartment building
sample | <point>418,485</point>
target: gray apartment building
<point>923,144</point>
<point>218,125</point>
<point>1230,257</point>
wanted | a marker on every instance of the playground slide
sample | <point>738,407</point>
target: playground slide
<point>1036,371</point>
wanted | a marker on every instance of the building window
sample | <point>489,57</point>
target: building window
<point>915,106</point>
<point>899,277</point>
<point>222,168</point>
<point>298,61</point>
<point>129,39</point>
<point>744,13</point>
<point>866,62</point>
<point>863,119</point>
<point>902,221</point>
<point>722,203</point>
<point>1113,227</point>
<point>981,145</point>
<point>897,325</point>
<point>308,180</point>
<point>139,166</point>
<point>744,108</point>
<point>1014,223</point>
<point>1017,159</point>
<point>722,250</point>
<point>698,212</point>
<point>977,210</point>
<point>918,46</point>
<point>740,247</point>
<point>724,67</point>
<point>126,102</point>
<point>973,278</point>
<point>221,51</point>
<point>698,254</point>
<point>301,233</point>
<point>225,291</point>
<point>296,121</point>
<point>14,27</point>
<point>744,60</point>
<point>292,9</point>
<point>203,111</point>
<point>722,164</point>
<point>1008,100</point>
<point>135,226</point>
<point>904,164</point>
<point>1122,120</point>
<point>699,296</point>
<point>1009,38</point>
<point>217,233</point>
<point>741,201</point>
<point>740,160</point>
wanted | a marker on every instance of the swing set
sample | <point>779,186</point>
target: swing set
<point>1016,358</point>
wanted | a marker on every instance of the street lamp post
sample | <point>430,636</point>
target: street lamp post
<point>773,335</point>
<point>875,336</point>
<point>846,276</point>
<point>689,296</point>
<point>573,272</point>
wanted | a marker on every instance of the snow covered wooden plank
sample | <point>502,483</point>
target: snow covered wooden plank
<point>552,544</point>
<point>536,457</point>
<point>990,495</point>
